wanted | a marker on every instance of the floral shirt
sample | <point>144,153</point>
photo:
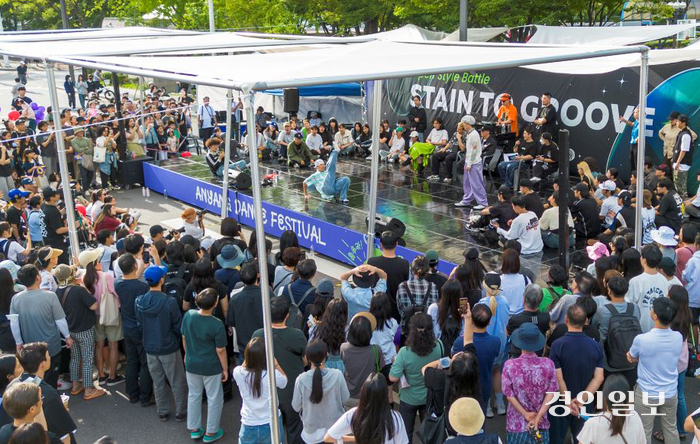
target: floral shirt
<point>528,379</point>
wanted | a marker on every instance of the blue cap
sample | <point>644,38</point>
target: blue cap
<point>26,181</point>
<point>15,194</point>
<point>154,274</point>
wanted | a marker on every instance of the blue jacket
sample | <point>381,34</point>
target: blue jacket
<point>160,319</point>
<point>299,287</point>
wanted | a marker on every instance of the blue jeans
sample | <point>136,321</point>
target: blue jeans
<point>682,410</point>
<point>507,172</point>
<point>332,186</point>
<point>258,434</point>
<point>239,165</point>
<point>552,239</point>
<point>197,385</point>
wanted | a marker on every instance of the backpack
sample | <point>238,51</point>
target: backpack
<point>622,329</point>
<point>175,285</point>
<point>450,332</point>
<point>408,312</point>
<point>296,317</point>
<point>5,247</point>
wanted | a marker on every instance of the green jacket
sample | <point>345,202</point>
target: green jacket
<point>82,146</point>
<point>297,153</point>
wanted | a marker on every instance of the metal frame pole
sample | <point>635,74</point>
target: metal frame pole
<point>376,122</point>
<point>142,111</point>
<point>563,202</point>
<point>62,162</point>
<point>212,26</point>
<point>227,155</point>
<point>641,145</point>
<point>262,264</point>
<point>463,21</point>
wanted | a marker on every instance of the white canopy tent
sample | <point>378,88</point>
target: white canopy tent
<point>382,60</point>
<point>476,34</point>
<point>608,35</point>
<point>90,34</point>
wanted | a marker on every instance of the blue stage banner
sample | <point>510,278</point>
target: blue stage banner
<point>341,244</point>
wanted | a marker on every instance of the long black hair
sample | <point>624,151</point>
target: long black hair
<point>7,290</point>
<point>631,263</point>
<point>203,276</point>
<point>316,353</point>
<point>8,363</point>
<point>91,277</point>
<point>255,363</point>
<point>449,302</point>
<point>373,420</point>
<point>615,383</point>
<point>421,337</point>
<point>331,330</point>
<point>463,375</point>
<point>380,307</point>
<point>684,317</point>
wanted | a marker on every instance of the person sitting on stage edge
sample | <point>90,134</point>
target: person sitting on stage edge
<point>448,154</point>
<point>325,182</point>
<point>502,213</point>
<point>525,228</point>
<point>215,158</point>
<point>299,154</point>
<point>692,206</point>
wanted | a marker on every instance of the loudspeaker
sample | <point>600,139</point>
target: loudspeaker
<point>130,171</point>
<point>382,224</point>
<point>240,180</point>
<point>291,100</point>
<point>396,226</point>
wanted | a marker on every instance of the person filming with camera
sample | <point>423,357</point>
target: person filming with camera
<point>193,223</point>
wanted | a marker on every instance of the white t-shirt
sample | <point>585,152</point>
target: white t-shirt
<point>314,141</point>
<point>644,289</point>
<point>658,351</point>
<point>343,139</point>
<point>15,249</point>
<point>255,411</point>
<point>398,145</point>
<point>436,136</point>
<point>343,427</point>
<point>385,339</point>
<point>206,115</point>
<point>193,230</point>
<point>550,219</point>
<point>48,283</point>
<point>686,141</point>
<point>648,224</point>
<point>609,204</point>
<point>96,209</point>
<point>526,229</point>
<point>473,148</point>
<point>597,430</point>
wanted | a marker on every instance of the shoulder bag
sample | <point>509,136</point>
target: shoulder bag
<point>109,309</point>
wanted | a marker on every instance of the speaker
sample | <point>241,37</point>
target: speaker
<point>130,171</point>
<point>396,226</point>
<point>382,224</point>
<point>240,180</point>
<point>291,100</point>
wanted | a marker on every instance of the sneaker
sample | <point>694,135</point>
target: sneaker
<point>433,177</point>
<point>196,434</point>
<point>447,179</point>
<point>473,229</point>
<point>102,380</point>
<point>489,412</point>
<point>148,403</point>
<point>181,417</point>
<point>536,179</point>
<point>479,207</point>
<point>214,437</point>
<point>164,418</point>
<point>461,205</point>
<point>368,157</point>
<point>345,201</point>
<point>112,382</point>
<point>63,385</point>
<point>501,409</point>
<point>390,160</point>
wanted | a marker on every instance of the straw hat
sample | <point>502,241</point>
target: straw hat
<point>466,416</point>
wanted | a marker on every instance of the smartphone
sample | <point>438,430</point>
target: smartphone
<point>696,420</point>
<point>463,305</point>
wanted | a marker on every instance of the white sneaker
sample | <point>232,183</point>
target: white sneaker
<point>479,207</point>
<point>501,409</point>
<point>447,180</point>
<point>489,412</point>
<point>536,179</point>
<point>391,160</point>
<point>368,157</point>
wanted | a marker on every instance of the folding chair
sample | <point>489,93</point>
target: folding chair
<point>493,160</point>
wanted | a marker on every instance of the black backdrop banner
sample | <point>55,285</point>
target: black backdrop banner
<point>588,105</point>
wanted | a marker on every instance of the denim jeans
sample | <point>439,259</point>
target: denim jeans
<point>260,434</point>
<point>139,385</point>
<point>552,239</point>
<point>507,172</point>
<point>332,186</point>
<point>197,385</point>
<point>682,410</point>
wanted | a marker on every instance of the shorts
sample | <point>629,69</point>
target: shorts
<point>112,333</point>
<point>696,315</point>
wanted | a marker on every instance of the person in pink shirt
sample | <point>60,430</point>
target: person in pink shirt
<point>686,248</point>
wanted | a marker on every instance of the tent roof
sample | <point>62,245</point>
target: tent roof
<point>609,35</point>
<point>319,66</point>
<point>477,34</point>
<point>59,35</point>
<point>349,89</point>
<point>409,33</point>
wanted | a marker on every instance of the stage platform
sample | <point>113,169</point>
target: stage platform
<point>426,208</point>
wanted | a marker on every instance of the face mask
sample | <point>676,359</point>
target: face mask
<point>541,141</point>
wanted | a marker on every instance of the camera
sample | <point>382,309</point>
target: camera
<point>201,213</point>
<point>171,233</point>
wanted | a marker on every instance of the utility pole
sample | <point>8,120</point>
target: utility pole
<point>64,19</point>
<point>463,6</point>
<point>212,26</point>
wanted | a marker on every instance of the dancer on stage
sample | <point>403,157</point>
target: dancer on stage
<point>325,182</point>
<point>474,188</point>
<point>215,159</point>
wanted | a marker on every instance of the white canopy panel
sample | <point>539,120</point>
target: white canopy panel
<point>409,33</point>
<point>610,35</point>
<point>477,34</point>
<point>90,34</point>
<point>381,60</point>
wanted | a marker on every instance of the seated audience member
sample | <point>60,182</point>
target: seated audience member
<point>608,202</point>
<point>421,151</point>
<point>585,213</point>
<point>527,149</point>
<point>692,206</point>
<point>344,141</point>
<point>448,154</point>
<point>502,212</point>
<point>488,142</point>
<point>315,142</point>
<point>532,200</point>
<point>299,154</point>
<point>613,174</point>
<point>397,149</point>
<point>546,162</point>
<point>525,228</point>
<point>549,224</point>
<point>623,215</point>
<point>650,178</point>
<point>691,277</point>
<point>23,402</point>
<point>668,213</point>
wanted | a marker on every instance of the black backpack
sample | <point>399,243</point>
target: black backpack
<point>408,312</point>
<point>622,329</point>
<point>175,285</point>
<point>450,332</point>
<point>296,317</point>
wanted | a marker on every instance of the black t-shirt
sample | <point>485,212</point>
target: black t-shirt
<point>534,203</point>
<point>219,244</point>
<point>529,148</point>
<point>53,221</point>
<point>670,208</point>
<point>551,152</point>
<point>542,322</point>
<point>585,213</point>
<point>8,429</point>
<point>437,278</point>
<point>173,270</point>
<point>127,291</point>
<point>503,212</point>
<point>6,170</point>
<point>77,307</point>
<point>221,289</point>
<point>550,114</point>
<point>562,329</point>
<point>396,269</point>
<point>16,217</point>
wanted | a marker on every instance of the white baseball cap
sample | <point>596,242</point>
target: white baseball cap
<point>608,185</point>
<point>318,163</point>
<point>414,134</point>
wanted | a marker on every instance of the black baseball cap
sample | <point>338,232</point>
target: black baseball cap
<point>155,230</point>
<point>683,118</point>
<point>527,183</point>
<point>582,188</point>
<point>49,192</point>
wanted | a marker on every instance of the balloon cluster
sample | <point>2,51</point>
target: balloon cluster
<point>39,112</point>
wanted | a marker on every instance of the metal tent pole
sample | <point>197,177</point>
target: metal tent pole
<point>641,145</point>
<point>227,155</point>
<point>142,111</point>
<point>62,162</point>
<point>262,264</point>
<point>376,121</point>
<point>212,26</point>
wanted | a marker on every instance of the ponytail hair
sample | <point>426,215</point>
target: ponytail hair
<point>316,353</point>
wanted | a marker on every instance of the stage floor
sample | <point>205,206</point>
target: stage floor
<point>426,208</point>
